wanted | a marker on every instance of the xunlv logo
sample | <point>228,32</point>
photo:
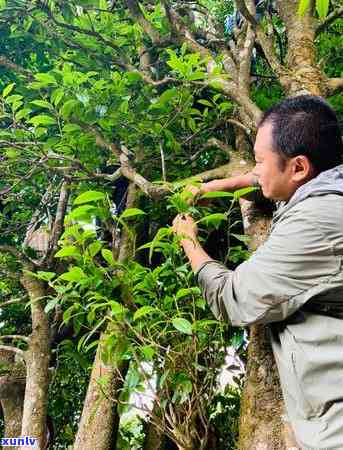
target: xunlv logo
<point>16,441</point>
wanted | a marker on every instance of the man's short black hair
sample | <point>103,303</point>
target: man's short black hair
<point>306,125</point>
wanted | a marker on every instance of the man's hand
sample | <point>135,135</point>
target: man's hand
<point>185,227</point>
<point>197,192</point>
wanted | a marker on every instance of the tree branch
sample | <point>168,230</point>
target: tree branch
<point>11,302</point>
<point>334,85</point>
<point>77,29</point>
<point>8,348</point>
<point>265,41</point>
<point>15,336</point>
<point>59,218</point>
<point>336,14</point>
<point>136,14</point>
<point>5,62</point>
<point>242,7</point>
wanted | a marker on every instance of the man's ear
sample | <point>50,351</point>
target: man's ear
<point>302,168</point>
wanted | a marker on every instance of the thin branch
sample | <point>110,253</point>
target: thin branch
<point>336,14</point>
<point>15,336</point>
<point>77,29</point>
<point>265,41</point>
<point>60,213</point>
<point>5,62</point>
<point>11,302</point>
<point>242,7</point>
<point>36,217</point>
<point>8,348</point>
<point>163,163</point>
<point>136,13</point>
<point>99,138</point>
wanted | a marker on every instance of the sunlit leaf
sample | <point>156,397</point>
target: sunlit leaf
<point>89,196</point>
<point>182,325</point>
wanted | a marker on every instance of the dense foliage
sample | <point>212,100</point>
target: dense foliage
<point>85,90</point>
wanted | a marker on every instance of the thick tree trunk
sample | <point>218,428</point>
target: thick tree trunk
<point>37,366</point>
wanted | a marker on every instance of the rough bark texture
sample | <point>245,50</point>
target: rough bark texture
<point>262,407</point>
<point>37,365</point>
<point>154,439</point>
<point>12,388</point>
<point>99,422</point>
<point>97,426</point>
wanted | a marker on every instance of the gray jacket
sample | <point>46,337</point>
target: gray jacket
<point>294,282</point>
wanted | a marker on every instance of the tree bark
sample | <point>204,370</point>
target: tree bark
<point>98,428</point>
<point>12,388</point>
<point>37,365</point>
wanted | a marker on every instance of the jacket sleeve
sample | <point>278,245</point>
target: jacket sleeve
<point>272,284</point>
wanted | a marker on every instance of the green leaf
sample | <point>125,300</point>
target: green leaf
<point>322,7</point>
<point>144,311</point>
<point>108,256</point>
<point>241,192</point>
<point>216,194</point>
<point>23,113</point>
<point>14,98</point>
<point>303,6</point>
<point>213,219</point>
<point>80,212</point>
<point>131,212</point>
<point>8,89</point>
<point>68,107</point>
<point>71,128</point>
<point>205,102</point>
<point>42,104</point>
<point>182,325</point>
<point>237,340</point>
<point>183,292</point>
<point>46,79</point>
<point>74,274</point>
<point>51,305</point>
<point>70,250</point>
<point>132,378</point>
<point>89,196</point>
<point>196,76</point>
<point>242,237</point>
<point>94,248</point>
<point>148,352</point>
<point>57,96</point>
<point>46,276</point>
<point>42,119</point>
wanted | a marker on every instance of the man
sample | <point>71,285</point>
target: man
<point>294,281</point>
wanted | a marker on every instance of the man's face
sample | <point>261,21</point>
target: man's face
<point>274,177</point>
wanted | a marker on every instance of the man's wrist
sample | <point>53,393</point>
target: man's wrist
<point>189,242</point>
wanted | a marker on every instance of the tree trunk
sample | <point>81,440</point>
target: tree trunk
<point>262,407</point>
<point>98,428</point>
<point>12,388</point>
<point>37,366</point>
